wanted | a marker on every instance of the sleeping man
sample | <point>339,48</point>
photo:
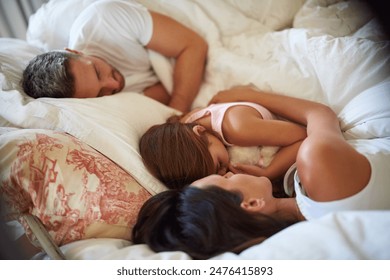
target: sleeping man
<point>109,52</point>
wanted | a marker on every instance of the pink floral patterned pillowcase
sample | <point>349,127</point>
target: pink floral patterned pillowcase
<point>74,190</point>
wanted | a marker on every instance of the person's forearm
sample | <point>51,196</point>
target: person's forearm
<point>188,76</point>
<point>282,161</point>
<point>318,118</point>
<point>294,109</point>
<point>158,93</point>
<point>297,110</point>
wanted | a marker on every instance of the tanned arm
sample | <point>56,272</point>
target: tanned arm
<point>174,40</point>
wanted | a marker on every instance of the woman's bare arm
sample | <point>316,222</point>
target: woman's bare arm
<point>293,109</point>
<point>329,168</point>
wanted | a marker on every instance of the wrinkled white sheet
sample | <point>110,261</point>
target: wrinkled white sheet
<point>348,235</point>
<point>332,55</point>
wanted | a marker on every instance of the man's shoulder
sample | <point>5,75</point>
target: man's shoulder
<point>107,6</point>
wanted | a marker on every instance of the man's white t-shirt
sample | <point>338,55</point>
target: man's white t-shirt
<point>117,31</point>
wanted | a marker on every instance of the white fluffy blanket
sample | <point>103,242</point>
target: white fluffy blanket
<point>335,53</point>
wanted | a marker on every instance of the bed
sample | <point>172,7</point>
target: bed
<point>55,154</point>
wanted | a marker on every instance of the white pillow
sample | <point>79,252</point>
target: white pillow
<point>336,18</point>
<point>14,56</point>
<point>275,14</point>
<point>49,27</point>
<point>111,125</point>
<point>368,115</point>
<point>357,65</point>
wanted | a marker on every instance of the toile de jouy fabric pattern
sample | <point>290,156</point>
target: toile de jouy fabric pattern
<point>74,190</point>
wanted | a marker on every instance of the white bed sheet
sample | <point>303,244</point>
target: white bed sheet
<point>348,235</point>
<point>334,54</point>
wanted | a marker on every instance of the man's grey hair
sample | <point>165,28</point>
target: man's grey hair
<point>48,75</point>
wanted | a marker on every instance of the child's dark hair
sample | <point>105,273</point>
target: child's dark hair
<point>174,154</point>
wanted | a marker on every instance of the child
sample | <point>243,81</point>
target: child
<point>183,150</point>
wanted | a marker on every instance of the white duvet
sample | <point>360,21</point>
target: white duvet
<point>348,235</point>
<point>327,51</point>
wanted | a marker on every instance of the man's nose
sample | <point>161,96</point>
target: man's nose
<point>112,85</point>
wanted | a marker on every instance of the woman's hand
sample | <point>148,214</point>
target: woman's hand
<point>254,170</point>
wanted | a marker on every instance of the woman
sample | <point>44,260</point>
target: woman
<point>206,220</point>
<point>194,146</point>
<point>203,222</point>
<point>331,176</point>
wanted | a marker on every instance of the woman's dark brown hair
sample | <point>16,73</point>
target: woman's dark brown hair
<point>201,222</point>
<point>174,154</point>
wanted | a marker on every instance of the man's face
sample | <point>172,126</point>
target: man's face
<point>94,77</point>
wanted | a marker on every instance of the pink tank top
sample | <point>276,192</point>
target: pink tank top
<point>217,113</point>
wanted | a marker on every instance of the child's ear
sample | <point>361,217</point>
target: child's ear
<point>253,204</point>
<point>73,51</point>
<point>198,129</point>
